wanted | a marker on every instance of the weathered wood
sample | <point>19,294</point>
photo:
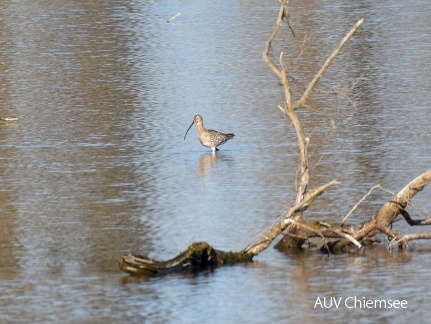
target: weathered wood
<point>299,233</point>
<point>197,257</point>
<point>389,212</point>
<point>9,118</point>
<point>266,238</point>
<point>291,236</point>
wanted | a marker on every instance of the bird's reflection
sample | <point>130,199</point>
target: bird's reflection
<point>208,162</point>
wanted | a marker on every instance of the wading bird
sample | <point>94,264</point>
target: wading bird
<point>209,137</point>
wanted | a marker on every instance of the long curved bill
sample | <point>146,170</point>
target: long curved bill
<point>189,129</point>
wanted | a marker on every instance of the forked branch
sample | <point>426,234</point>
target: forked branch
<point>267,237</point>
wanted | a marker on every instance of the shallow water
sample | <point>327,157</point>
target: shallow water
<point>97,167</point>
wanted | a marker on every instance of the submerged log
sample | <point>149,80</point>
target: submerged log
<point>198,256</point>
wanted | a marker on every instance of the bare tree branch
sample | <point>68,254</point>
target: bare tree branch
<point>413,222</point>
<point>278,24</point>
<point>410,237</point>
<point>357,205</point>
<point>269,235</point>
<point>327,63</point>
<point>387,214</point>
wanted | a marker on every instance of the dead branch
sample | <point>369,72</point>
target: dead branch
<point>327,63</point>
<point>289,107</point>
<point>305,45</point>
<point>410,202</point>
<point>348,237</point>
<point>178,14</point>
<point>412,222</point>
<point>403,212</point>
<point>341,91</point>
<point>357,205</point>
<point>282,13</point>
<point>402,240</point>
<point>9,118</point>
<point>387,214</point>
<point>198,256</point>
<point>410,237</point>
<point>289,110</point>
<point>315,110</point>
<point>267,237</point>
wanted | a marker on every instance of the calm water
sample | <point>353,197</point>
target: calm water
<point>97,166</point>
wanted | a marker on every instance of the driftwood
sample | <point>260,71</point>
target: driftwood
<point>296,230</point>
<point>197,257</point>
<point>360,235</point>
<point>381,221</point>
<point>171,19</point>
<point>292,215</point>
<point>9,118</point>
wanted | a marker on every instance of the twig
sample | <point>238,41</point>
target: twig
<point>351,101</point>
<point>178,14</point>
<point>341,91</point>
<point>265,53</point>
<point>359,202</point>
<point>349,237</point>
<point>317,163</point>
<point>288,23</point>
<point>327,63</point>
<point>9,118</point>
<point>315,110</point>
<point>303,47</point>
<point>419,236</point>
<point>388,191</point>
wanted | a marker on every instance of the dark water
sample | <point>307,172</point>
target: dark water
<point>97,166</point>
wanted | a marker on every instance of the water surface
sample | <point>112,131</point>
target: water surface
<point>97,167</point>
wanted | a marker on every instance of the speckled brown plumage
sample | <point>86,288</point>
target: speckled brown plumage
<point>209,137</point>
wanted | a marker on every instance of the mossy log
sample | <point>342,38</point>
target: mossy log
<point>198,256</point>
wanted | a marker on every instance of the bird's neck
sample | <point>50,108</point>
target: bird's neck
<point>201,126</point>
